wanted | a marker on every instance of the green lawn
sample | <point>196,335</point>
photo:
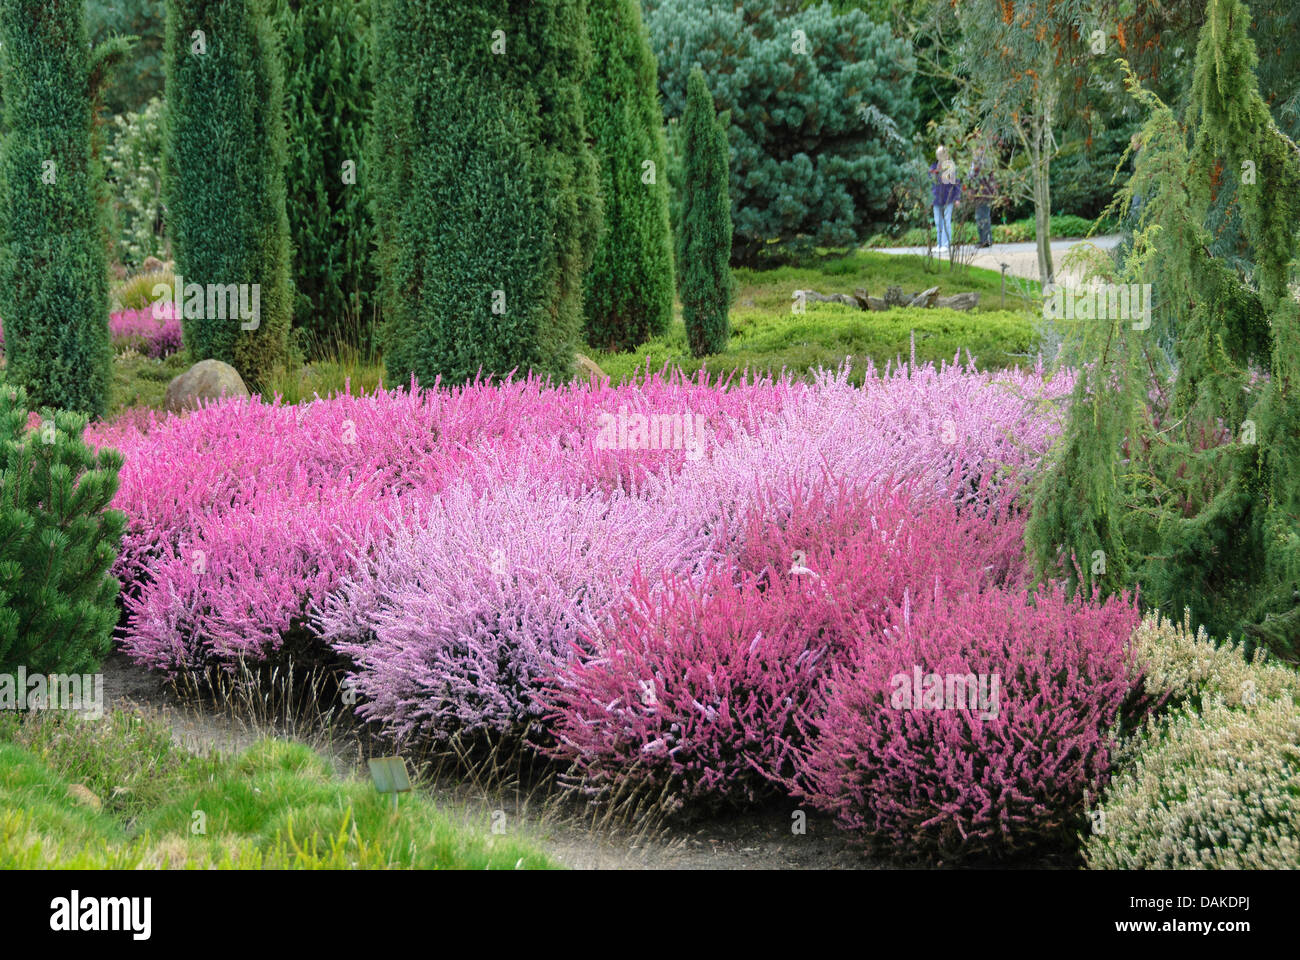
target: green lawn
<point>117,793</point>
<point>768,336</point>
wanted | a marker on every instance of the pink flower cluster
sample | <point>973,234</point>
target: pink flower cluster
<point>142,331</point>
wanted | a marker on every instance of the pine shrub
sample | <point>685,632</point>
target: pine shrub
<point>224,177</point>
<point>484,186</point>
<point>53,270</point>
<point>58,541</point>
<point>628,292</point>
<point>704,242</point>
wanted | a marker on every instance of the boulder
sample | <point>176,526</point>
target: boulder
<point>206,381</point>
<point>587,368</point>
<point>959,301</point>
<point>151,265</point>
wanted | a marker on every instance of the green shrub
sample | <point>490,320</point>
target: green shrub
<point>628,292</point>
<point>224,175</point>
<point>134,165</point>
<point>58,541</point>
<point>137,292</point>
<point>704,243</point>
<point>327,103</point>
<point>820,106</point>
<point>484,188</point>
<point>53,270</point>
<point>1215,790</point>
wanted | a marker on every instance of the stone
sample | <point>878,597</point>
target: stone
<point>151,265</point>
<point>959,301</point>
<point>205,382</point>
<point>925,298</point>
<point>588,368</point>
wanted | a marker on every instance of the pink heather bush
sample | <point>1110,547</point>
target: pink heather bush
<point>915,776</point>
<point>697,689</point>
<point>314,481</point>
<point>251,523</point>
<point>471,604</point>
<point>141,331</point>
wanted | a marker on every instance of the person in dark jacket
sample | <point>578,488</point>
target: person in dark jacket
<point>946,191</point>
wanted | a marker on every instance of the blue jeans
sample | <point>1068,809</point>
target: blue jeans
<point>943,224</point>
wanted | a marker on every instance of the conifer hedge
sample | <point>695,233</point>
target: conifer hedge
<point>484,187</point>
<point>224,177</point>
<point>53,270</point>
<point>327,87</point>
<point>628,293</point>
<point>704,239</point>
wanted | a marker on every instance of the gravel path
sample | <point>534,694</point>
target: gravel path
<point>757,841</point>
<point>1021,258</point>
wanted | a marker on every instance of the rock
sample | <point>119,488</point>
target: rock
<point>206,381</point>
<point>588,368</point>
<point>84,796</point>
<point>895,297</point>
<point>959,301</point>
<point>151,265</point>
<point>925,298</point>
<point>875,303</point>
<point>815,297</point>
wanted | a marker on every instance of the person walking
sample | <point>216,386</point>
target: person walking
<point>984,190</point>
<point>946,191</point>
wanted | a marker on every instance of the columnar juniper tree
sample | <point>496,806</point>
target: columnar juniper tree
<point>224,178</point>
<point>628,292</point>
<point>53,274</point>
<point>704,239</point>
<point>327,104</point>
<point>484,186</point>
<point>58,541</point>
<point>1180,466</point>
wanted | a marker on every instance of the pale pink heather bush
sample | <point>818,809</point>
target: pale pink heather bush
<point>471,604</point>
<point>950,428</point>
<point>695,692</point>
<point>954,782</point>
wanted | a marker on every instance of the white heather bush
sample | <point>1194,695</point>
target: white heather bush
<point>1216,790</point>
<point>1192,669</point>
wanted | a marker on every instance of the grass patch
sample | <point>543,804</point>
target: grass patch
<point>768,337</point>
<point>117,793</point>
<point>139,381</point>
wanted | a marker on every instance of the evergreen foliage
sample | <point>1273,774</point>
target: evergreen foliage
<point>53,235</point>
<point>704,240</point>
<point>224,177</point>
<point>628,292</point>
<point>821,107</point>
<point>327,104</point>
<point>486,211</point>
<point>1181,459</point>
<point>58,541</point>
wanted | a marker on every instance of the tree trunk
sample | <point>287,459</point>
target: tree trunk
<point>1042,163</point>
